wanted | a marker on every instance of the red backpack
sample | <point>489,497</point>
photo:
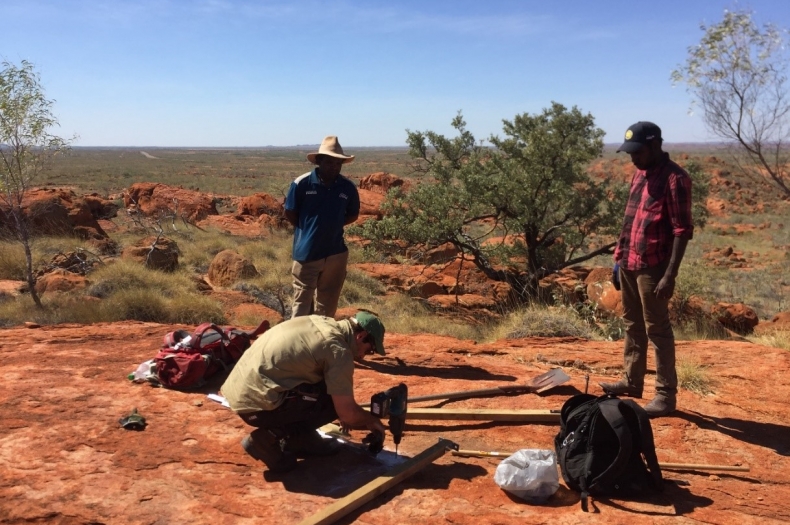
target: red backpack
<point>187,360</point>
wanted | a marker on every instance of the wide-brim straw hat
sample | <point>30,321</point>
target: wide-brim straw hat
<point>331,147</point>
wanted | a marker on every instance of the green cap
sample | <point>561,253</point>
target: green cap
<point>372,325</point>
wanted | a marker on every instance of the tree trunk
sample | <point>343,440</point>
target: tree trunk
<point>23,234</point>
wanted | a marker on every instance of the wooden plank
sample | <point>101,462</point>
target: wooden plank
<point>379,485</point>
<point>696,466</point>
<point>483,414</point>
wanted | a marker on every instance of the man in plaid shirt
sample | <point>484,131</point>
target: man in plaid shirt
<point>656,230</point>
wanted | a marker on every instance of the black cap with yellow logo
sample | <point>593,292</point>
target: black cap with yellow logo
<point>638,135</point>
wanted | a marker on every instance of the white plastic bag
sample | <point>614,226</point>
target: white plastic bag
<point>530,474</point>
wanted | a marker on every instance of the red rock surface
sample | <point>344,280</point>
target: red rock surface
<point>64,459</point>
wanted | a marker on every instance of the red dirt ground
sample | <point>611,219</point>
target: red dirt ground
<point>64,459</point>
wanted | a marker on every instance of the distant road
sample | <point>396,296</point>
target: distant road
<point>146,155</point>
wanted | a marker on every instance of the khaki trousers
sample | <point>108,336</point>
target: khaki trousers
<point>646,319</point>
<point>317,285</point>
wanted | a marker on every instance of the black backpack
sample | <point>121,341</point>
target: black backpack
<point>605,448</point>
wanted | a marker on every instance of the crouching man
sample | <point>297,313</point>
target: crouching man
<point>297,377</point>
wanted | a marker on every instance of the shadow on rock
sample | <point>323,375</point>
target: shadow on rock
<point>673,501</point>
<point>432,477</point>
<point>339,475</point>
<point>768,435</point>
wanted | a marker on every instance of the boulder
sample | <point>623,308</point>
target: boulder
<point>605,297</point>
<point>260,203</point>
<point>370,205</point>
<point>737,317</point>
<point>153,199</point>
<point>228,266</point>
<point>778,323</point>
<point>427,289</point>
<point>73,262</point>
<point>599,274</point>
<point>60,280</point>
<point>100,207</point>
<point>160,256</point>
<point>438,255</point>
<point>381,182</point>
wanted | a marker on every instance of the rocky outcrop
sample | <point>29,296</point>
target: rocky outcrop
<point>58,212</point>
<point>369,205</point>
<point>152,199</point>
<point>61,281</point>
<point>381,182</point>
<point>260,203</point>
<point>737,317</point>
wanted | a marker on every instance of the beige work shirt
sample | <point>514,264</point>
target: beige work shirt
<point>305,349</point>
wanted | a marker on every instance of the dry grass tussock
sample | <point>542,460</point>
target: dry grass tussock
<point>777,339</point>
<point>694,377</point>
<point>12,254</point>
<point>540,321</point>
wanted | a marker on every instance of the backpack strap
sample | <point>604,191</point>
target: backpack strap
<point>197,338</point>
<point>648,445</point>
<point>610,409</point>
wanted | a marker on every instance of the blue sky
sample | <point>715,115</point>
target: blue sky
<point>226,73</point>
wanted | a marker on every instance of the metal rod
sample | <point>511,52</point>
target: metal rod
<point>666,466</point>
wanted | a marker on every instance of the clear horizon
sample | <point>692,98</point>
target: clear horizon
<point>242,73</point>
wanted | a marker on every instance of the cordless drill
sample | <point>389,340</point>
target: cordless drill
<point>392,403</point>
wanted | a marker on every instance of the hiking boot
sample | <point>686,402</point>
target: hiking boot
<point>622,388</point>
<point>310,443</point>
<point>264,446</point>
<point>660,406</point>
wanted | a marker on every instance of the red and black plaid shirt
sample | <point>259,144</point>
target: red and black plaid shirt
<point>658,210</point>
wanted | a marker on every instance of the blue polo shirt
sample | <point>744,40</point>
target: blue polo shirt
<point>322,212</point>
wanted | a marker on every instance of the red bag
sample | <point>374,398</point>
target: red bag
<point>187,360</point>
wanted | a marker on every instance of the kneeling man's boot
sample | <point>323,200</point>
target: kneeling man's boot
<point>660,405</point>
<point>310,443</point>
<point>265,446</point>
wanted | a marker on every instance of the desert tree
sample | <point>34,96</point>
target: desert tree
<point>531,187</point>
<point>738,76</point>
<point>26,149</point>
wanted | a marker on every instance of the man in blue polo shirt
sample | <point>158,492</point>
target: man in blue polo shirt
<point>319,205</point>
